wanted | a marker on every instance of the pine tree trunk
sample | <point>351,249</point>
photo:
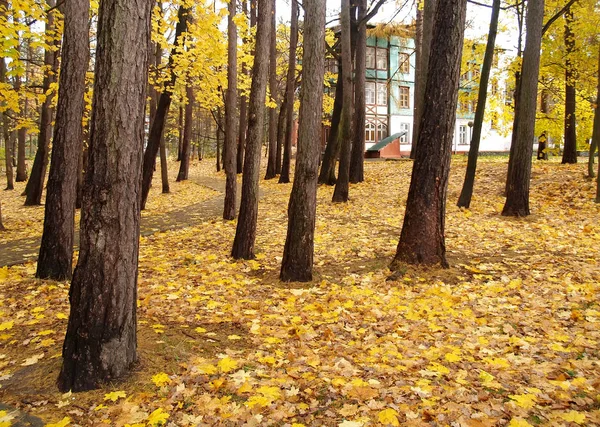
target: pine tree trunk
<point>284,177</point>
<point>243,119</point>
<point>56,250</point>
<point>360,114</point>
<point>180,134</point>
<point>271,173</point>
<point>100,344</point>
<point>297,260</point>
<point>517,196</point>
<point>7,149</point>
<point>596,131</point>
<point>21,175</point>
<point>231,119</point>
<point>245,234</point>
<point>422,240</point>
<point>281,126</point>
<point>332,149</point>
<point>219,139</point>
<point>570,149</point>
<point>184,166</point>
<point>464,199</point>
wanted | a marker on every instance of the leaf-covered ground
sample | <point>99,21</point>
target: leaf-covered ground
<point>509,335</point>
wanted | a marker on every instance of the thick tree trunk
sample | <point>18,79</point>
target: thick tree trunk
<point>184,166</point>
<point>164,102</point>
<point>464,199</point>
<point>271,168</point>
<point>56,250</point>
<point>231,119</point>
<point>245,233</point>
<point>297,260</point>
<point>100,344</point>
<point>570,149</point>
<point>360,114</point>
<point>517,196</point>
<point>340,193</point>
<point>332,149</point>
<point>281,127</point>
<point>284,177</point>
<point>422,240</point>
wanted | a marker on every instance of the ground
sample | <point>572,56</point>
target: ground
<point>507,336</point>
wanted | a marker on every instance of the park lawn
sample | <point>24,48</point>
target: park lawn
<point>509,335</point>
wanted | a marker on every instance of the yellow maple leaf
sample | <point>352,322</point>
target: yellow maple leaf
<point>257,400</point>
<point>574,417</point>
<point>244,388</point>
<point>61,316</point>
<point>5,418</point>
<point>272,393</point>
<point>519,422</point>
<point>451,357</point>
<point>389,417</point>
<point>526,401</point>
<point>161,379</point>
<point>486,377</point>
<point>200,330</point>
<point>158,417</point>
<point>115,395</point>
<point>227,364</point>
<point>62,423</point>
<point>207,368</point>
<point>6,325</point>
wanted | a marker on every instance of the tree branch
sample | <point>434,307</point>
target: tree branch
<point>560,13</point>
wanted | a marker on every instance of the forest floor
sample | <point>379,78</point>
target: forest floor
<point>509,335</point>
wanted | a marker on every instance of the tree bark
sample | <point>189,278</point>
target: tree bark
<point>517,196</point>
<point>100,344</point>
<point>340,193</point>
<point>184,166</point>
<point>570,149</point>
<point>281,127</point>
<point>243,119</point>
<point>22,134</point>
<point>592,153</point>
<point>360,114</point>
<point>332,149</point>
<point>284,176</point>
<point>218,120</point>
<point>164,101</point>
<point>231,119</point>
<point>466,193</point>
<point>422,240</point>
<point>271,167</point>
<point>180,134</point>
<point>56,250</point>
<point>245,234</point>
<point>596,131</point>
<point>298,252</point>
<point>2,228</point>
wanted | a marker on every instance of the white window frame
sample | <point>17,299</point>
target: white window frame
<point>370,58</point>
<point>463,135</point>
<point>370,131</point>
<point>405,127</point>
<point>370,93</point>
<point>381,58</point>
<point>382,95</point>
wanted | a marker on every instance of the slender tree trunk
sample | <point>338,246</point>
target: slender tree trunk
<point>281,127</point>
<point>422,240</point>
<point>592,153</point>
<point>517,196</point>
<point>596,131</point>
<point>7,137</point>
<point>2,228</point>
<point>245,234</point>
<point>360,114</point>
<point>100,344</point>
<point>340,193</point>
<point>332,149</point>
<point>570,149</point>
<point>271,168</point>
<point>184,166</point>
<point>219,138</point>
<point>56,250</point>
<point>467,190</point>
<point>284,177</point>
<point>22,134</point>
<point>180,134</point>
<point>298,252</point>
<point>231,119</point>
<point>243,119</point>
<point>164,171</point>
<point>162,109</point>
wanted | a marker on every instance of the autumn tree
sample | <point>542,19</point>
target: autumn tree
<point>356,171</point>
<point>231,111</point>
<point>570,147</point>
<point>184,166</point>
<point>596,131</point>
<point>100,343</point>
<point>56,249</point>
<point>327,172</point>
<point>245,233</point>
<point>272,156</point>
<point>422,240</point>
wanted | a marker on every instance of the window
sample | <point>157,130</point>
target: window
<point>404,63</point>
<point>370,132</point>
<point>381,59</point>
<point>382,95</point>
<point>404,97</point>
<point>381,131</point>
<point>331,65</point>
<point>405,129</point>
<point>463,135</point>
<point>370,93</point>
<point>370,57</point>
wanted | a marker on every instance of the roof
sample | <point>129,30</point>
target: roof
<point>386,141</point>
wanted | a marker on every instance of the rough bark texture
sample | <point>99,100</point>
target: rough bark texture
<point>158,122</point>
<point>243,119</point>
<point>2,228</point>
<point>596,131</point>
<point>570,149</point>
<point>231,119</point>
<point>299,244</point>
<point>422,240</point>
<point>464,199</point>
<point>180,136</point>
<point>219,119</point>
<point>284,177</point>
<point>56,250</point>
<point>422,70</point>
<point>6,135</point>
<point>517,195</point>
<point>340,193</point>
<point>35,185</point>
<point>100,344</point>
<point>245,233</point>
<point>184,166</point>
<point>332,149</point>
<point>281,126</point>
<point>271,167</point>
<point>21,175</point>
<point>360,113</point>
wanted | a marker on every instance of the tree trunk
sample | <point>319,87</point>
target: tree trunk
<point>281,127</point>
<point>100,344</point>
<point>184,166</point>
<point>245,234</point>
<point>284,177</point>
<point>35,184</point>
<point>517,196</point>
<point>298,252</point>
<point>570,149</point>
<point>243,119</point>
<point>464,199</point>
<point>22,136</point>
<point>7,144</point>
<point>2,228</point>
<point>180,134</point>
<point>592,153</point>
<point>164,172</point>
<point>164,101</point>
<point>219,138</point>
<point>271,168</point>
<point>332,149</point>
<point>596,131</point>
<point>422,70</point>
<point>231,119</point>
<point>340,193</point>
<point>422,240</point>
<point>360,114</point>
<point>56,250</point>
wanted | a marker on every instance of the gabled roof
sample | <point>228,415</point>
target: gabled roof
<point>386,141</point>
